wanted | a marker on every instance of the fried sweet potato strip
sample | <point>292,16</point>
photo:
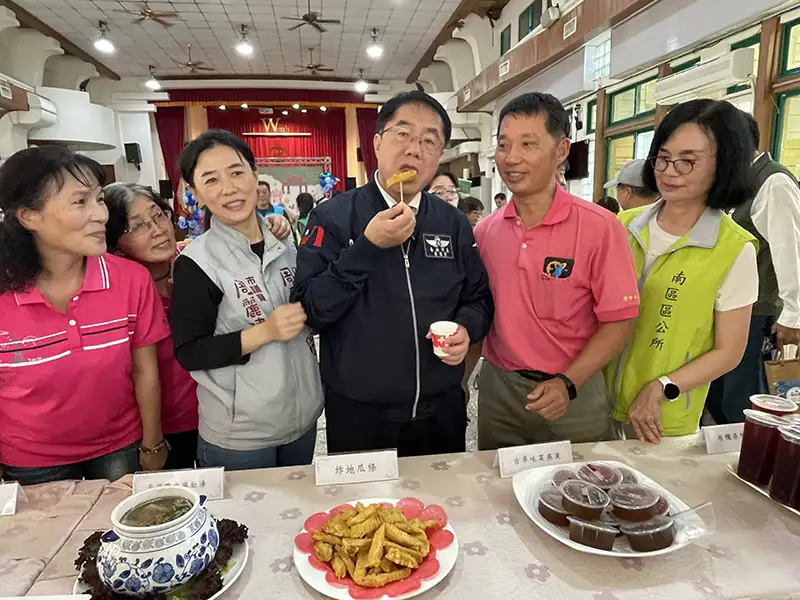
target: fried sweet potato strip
<point>323,551</point>
<point>404,559</point>
<point>376,548</point>
<point>339,568</point>
<point>401,537</point>
<point>373,581</point>
<point>365,528</point>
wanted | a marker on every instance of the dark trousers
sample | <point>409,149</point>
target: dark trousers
<point>730,394</point>
<point>183,450</point>
<point>354,426</point>
<point>111,466</point>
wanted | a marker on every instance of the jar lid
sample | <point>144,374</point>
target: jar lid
<point>763,418</point>
<point>791,433</point>
<point>551,497</point>
<point>584,493</point>
<point>563,474</point>
<point>768,402</point>
<point>633,496</point>
<point>595,525</point>
<point>600,474</point>
<point>656,525</point>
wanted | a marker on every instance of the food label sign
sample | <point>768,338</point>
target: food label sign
<point>721,439</point>
<point>520,458</point>
<point>362,467</point>
<point>207,482</point>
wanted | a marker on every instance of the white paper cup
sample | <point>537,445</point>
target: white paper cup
<point>441,331</point>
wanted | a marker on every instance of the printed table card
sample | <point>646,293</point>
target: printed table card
<point>11,494</point>
<point>206,482</point>
<point>721,439</point>
<point>362,467</point>
<point>519,458</point>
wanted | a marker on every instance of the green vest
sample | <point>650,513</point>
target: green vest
<point>676,315</point>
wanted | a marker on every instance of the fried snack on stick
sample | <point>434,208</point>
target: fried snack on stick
<point>425,545</point>
<point>404,559</point>
<point>360,571</point>
<point>387,566</point>
<point>323,551</point>
<point>327,538</point>
<point>348,562</point>
<point>402,177</point>
<point>415,554</point>
<point>362,529</point>
<point>376,548</point>
<point>373,581</point>
<point>401,537</point>
<point>339,568</point>
<point>362,516</point>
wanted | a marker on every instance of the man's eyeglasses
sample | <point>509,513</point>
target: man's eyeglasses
<point>682,166</point>
<point>157,219</point>
<point>429,143</point>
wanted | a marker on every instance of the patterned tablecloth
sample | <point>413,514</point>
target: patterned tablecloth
<point>755,553</point>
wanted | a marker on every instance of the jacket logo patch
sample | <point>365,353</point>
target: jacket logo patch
<point>438,246</point>
<point>313,236</point>
<point>558,268</point>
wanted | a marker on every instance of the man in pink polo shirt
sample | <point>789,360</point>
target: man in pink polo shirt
<point>564,287</point>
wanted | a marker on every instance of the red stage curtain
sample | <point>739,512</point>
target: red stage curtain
<point>367,123</point>
<point>170,122</point>
<point>328,134</point>
<point>265,95</point>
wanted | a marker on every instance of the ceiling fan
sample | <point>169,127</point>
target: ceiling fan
<point>312,18</point>
<point>145,13</point>
<point>312,67</point>
<point>193,65</point>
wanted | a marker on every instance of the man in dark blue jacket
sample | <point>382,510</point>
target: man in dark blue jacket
<point>376,267</point>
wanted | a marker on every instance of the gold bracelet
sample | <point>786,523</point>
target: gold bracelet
<point>155,449</point>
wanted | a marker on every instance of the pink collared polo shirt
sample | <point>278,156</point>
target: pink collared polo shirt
<point>179,404</point>
<point>555,283</point>
<point>66,391</point>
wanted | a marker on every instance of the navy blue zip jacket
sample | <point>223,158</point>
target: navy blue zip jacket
<point>373,312</point>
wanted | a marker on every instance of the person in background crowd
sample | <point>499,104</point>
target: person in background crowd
<point>697,268</point>
<point>500,200</point>
<point>236,331</point>
<point>79,330</point>
<point>609,203</point>
<point>564,288</point>
<point>373,274</point>
<point>631,190</point>
<point>561,174</point>
<point>265,207</point>
<point>445,186</point>
<point>772,216</point>
<point>305,204</point>
<point>140,228</point>
<point>472,208</point>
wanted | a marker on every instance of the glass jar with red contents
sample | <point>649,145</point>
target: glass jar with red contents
<point>785,476</point>
<point>759,444</point>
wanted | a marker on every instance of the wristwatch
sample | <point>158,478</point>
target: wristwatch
<point>571,389</point>
<point>671,390</point>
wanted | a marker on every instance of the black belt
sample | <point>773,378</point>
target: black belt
<point>536,376</point>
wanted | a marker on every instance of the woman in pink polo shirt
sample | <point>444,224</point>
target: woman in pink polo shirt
<point>79,389</point>
<point>140,228</point>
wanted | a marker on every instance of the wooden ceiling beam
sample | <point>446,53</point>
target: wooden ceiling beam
<point>26,19</point>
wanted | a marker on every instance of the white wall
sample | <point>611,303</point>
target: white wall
<point>510,16</point>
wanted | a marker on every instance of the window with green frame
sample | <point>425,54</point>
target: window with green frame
<point>686,65</point>
<point>751,42</point>
<point>633,102</point>
<point>624,148</point>
<point>529,19</point>
<point>787,135</point>
<point>591,118</point>
<point>790,53</point>
<point>505,40</point>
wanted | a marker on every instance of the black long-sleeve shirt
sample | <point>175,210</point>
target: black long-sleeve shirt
<point>195,302</point>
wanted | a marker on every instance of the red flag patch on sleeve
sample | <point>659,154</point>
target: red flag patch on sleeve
<point>314,236</point>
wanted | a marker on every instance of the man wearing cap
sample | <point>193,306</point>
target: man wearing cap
<point>631,190</point>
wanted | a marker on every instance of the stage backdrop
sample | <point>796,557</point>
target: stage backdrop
<point>278,141</point>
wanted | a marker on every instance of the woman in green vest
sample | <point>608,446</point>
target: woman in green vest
<point>697,272</point>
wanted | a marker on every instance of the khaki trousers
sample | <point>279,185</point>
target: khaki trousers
<point>503,420</point>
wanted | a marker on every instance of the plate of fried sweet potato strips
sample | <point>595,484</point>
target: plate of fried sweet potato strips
<point>377,548</point>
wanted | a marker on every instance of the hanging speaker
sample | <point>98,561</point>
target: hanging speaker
<point>165,189</point>
<point>133,154</point>
<point>350,183</point>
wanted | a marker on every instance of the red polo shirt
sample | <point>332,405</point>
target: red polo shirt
<point>66,392</point>
<point>178,389</point>
<point>554,284</point>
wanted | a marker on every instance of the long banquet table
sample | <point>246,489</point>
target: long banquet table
<point>755,553</point>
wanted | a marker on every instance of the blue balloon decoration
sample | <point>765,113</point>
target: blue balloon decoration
<point>327,182</point>
<point>194,224</point>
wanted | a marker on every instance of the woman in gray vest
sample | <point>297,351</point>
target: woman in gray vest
<point>234,329</point>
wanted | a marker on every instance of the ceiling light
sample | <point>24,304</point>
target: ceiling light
<point>244,47</point>
<point>375,50</point>
<point>223,107</point>
<point>152,83</point>
<point>323,108</point>
<point>361,85</point>
<point>244,104</point>
<point>103,44</point>
<point>284,112</point>
<point>304,111</point>
<point>295,106</point>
